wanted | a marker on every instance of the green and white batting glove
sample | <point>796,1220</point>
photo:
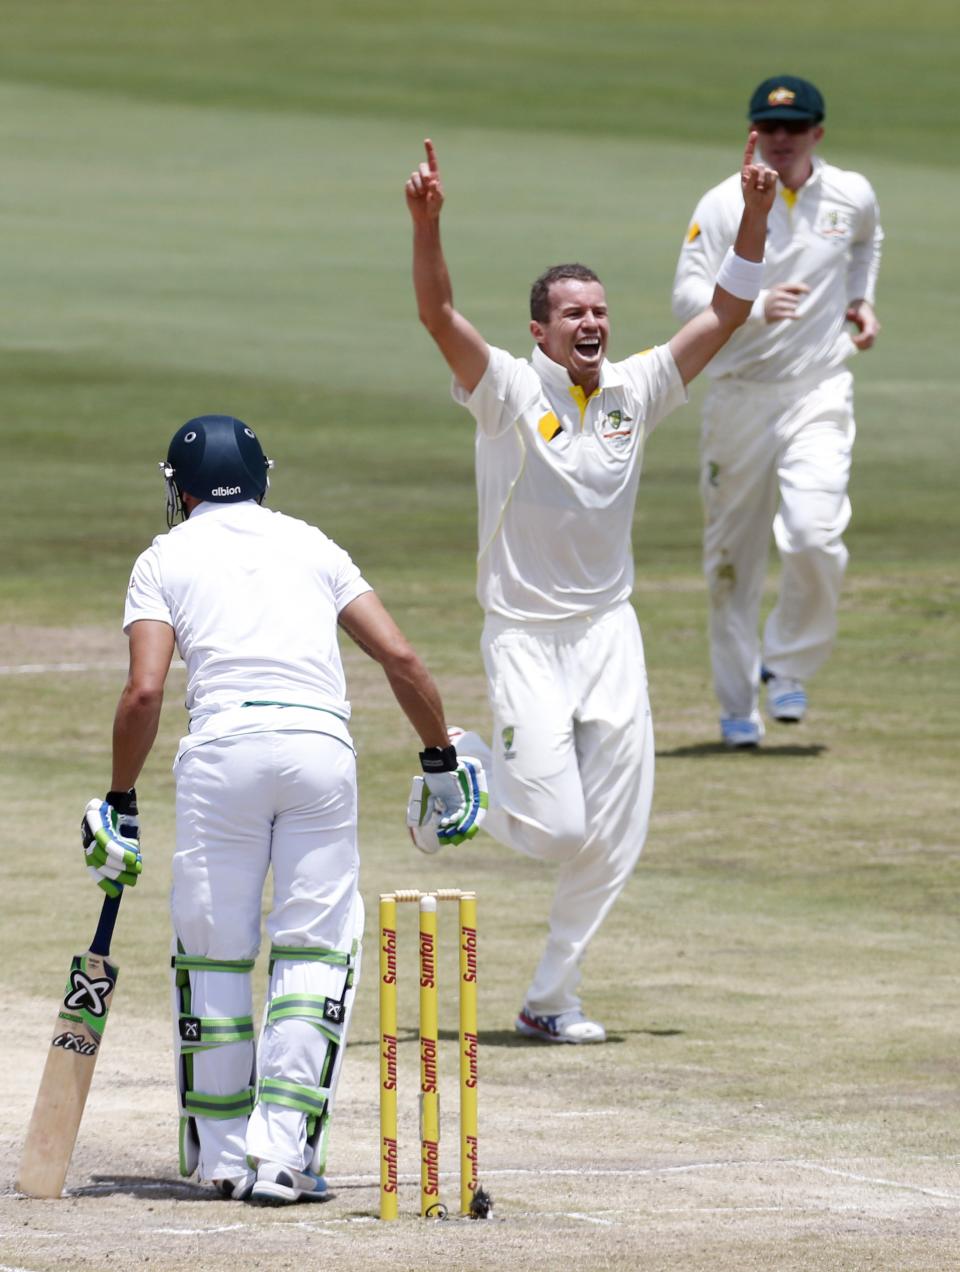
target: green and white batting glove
<point>446,805</point>
<point>110,833</point>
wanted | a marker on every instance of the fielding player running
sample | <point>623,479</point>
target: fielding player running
<point>559,443</point>
<point>778,417</point>
<point>265,778</point>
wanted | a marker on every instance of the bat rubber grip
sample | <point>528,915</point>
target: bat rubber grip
<point>104,933</point>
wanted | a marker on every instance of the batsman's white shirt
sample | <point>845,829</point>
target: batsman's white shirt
<point>557,477</point>
<point>253,597</point>
<point>827,235</point>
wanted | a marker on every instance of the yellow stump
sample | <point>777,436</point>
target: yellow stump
<point>388,1058</point>
<point>430,1204</point>
<point>469,1156</point>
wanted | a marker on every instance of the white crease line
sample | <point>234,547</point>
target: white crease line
<point>590,1113</point>
<point>41,669</point>
<point>332,1223</point>
<point>196,1232</point>
<point>647,1172</point>
<point>869,1179</point>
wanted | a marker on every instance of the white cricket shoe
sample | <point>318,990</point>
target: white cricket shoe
<point>786,698</point>
<point>740,732</point>
<point>278,1185</point>
<point>566,1026</point>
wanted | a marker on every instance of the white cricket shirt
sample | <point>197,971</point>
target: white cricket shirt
<point>828,236</point>
<point>253,598</point>
<point>557,478</point>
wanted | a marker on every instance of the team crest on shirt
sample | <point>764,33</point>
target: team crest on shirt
<point>506,736</point>
<point>615,427</point>
<point>833,224</point>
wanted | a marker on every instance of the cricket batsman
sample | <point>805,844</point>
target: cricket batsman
<point>265,781</point>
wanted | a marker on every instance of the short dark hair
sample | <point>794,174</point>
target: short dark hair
<point>540,291</point>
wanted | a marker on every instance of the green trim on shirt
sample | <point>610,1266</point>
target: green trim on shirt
<point>306,706</point>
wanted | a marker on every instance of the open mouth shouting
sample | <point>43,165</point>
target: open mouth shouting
<point>589,349</point>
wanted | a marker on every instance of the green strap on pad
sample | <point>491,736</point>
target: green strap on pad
<point>292,1095</point>
<point>201,1033</point>
<point>182,964</point>
<point>307,954</point>
<point>325,1014</point>
<point>198,1104</point>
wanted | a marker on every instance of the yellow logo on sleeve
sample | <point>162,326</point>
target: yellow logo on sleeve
<point>549,426</point>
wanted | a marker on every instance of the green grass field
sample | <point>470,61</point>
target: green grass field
<point>202,209</point>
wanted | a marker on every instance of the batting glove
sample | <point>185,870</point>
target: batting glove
<point>446,806</point>
<point>113,859</point>
<point>440,768</point>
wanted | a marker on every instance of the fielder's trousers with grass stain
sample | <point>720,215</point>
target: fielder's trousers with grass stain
<point>286,801</point>
<point>570,770</point>
<point>780,454</point>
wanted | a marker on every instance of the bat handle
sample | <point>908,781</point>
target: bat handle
<point>108,917</point>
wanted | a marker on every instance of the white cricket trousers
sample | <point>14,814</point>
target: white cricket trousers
<point>286,801</point>
<point>571,771</point>
<point>781,454</point>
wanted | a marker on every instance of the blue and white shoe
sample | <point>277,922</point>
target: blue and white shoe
<point>278,1185</point>
<point>786,698</point>
<point>741,732</point>
<point>566,1026</point>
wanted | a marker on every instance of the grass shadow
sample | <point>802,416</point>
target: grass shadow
<point>510,1038</point>
<point>706,750</point>
<point>160,1187</point>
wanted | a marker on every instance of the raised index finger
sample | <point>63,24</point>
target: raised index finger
<point>431,156</point>
<point>750,148</point>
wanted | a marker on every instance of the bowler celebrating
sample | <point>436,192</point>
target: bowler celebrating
<point>559,444</point>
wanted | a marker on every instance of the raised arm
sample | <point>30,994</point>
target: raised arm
<point>464,349</point>
<point>705,335</point>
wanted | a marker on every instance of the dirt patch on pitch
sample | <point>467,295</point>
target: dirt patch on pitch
<point>583,1176</point>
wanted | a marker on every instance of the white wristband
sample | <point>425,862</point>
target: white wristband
<point>739,277</point>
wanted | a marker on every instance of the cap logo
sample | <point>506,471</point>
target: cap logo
<point>781,97</point>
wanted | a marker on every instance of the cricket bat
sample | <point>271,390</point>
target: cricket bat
<point>77,1035</point>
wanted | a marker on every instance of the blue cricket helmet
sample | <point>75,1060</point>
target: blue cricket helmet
<point>217,459</point>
